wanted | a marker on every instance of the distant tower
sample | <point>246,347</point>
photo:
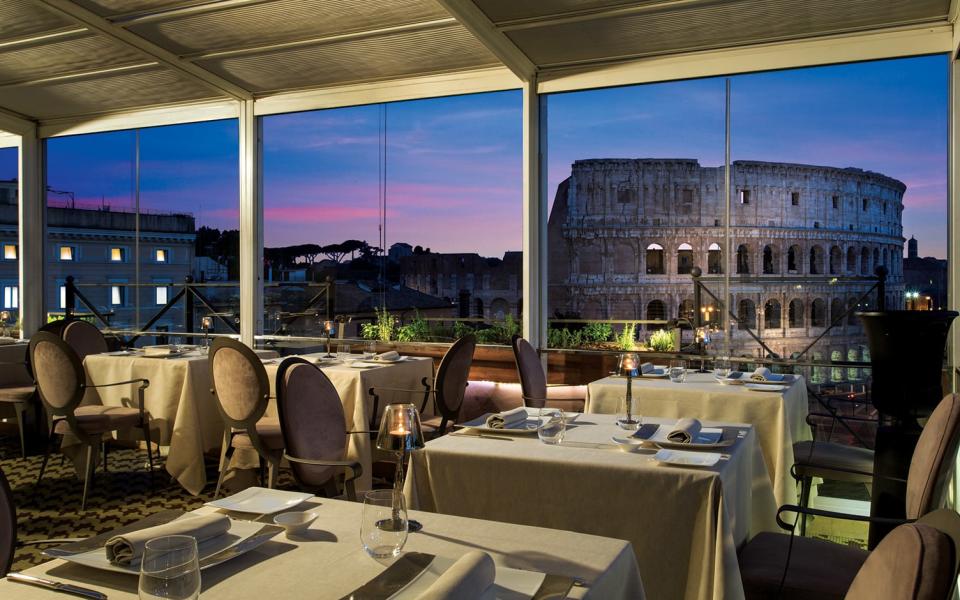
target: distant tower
<point>912,247</point>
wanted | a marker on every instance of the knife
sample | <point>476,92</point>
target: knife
<point>397,575</point>
<point>57,586</point>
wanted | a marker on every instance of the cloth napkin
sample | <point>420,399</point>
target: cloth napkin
<point>389,356</point>
<point>156,350</point>
<point>466,579</point>
<point>127,549</point>
<point>685,431</point>
<point>506,418</point>
<point>764,374</point>
<point>647,368</point>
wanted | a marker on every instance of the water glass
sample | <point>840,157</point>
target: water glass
<point>721,367</point>
<point>678,371</point>
<point>174,344</point>
<point>369,350</point>
<point>383,526</point>
<point>343,352</point>
<point>552,426</point>
<point>170,569</point>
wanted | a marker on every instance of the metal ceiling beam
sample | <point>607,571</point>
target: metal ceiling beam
<point>75,75</point>
<point>47,37</point>
<point>189,70</point>
<point>589,14</point>
<point>321,40</point>
<point>17,123</point>
<point>198,7</point>
<point>474,19</point>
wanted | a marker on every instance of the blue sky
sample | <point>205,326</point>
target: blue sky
<point>453,179</point>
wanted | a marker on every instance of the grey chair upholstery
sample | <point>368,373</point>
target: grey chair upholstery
<point>815,568</point>
<point>242,391</point>
<point>314,429</point>
<point>19,397</point>
<point>84,338</point>
<point>61,382</point>
<point>533,381</point>
<point>8,525</point>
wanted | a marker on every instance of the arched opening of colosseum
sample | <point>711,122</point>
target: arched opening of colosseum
<point>478,304</point>
<point>685,310</point>
<point>684,259</point>
<point>876,258</point>
<point>851,260</point>
<point>743,260</point>
<point>655,260</point>
<point>865,261</point>
<point>771,260</point>
<point>499,309</point>
<point>714,259</point>
<point>795,314</point>
<point>624,259</point>
<point>793,259</point>
<point>656,311</point>
<point>818,313</point>
<point>883,258</point>
<point>836,260</point>
<point>771,315</point>
<point>746,314</point>
<point>591,260</point>
<point>836,310</point>
<point>852,307</point>
<point>816,260</point>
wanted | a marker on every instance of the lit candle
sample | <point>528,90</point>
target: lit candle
<point>400,430</point>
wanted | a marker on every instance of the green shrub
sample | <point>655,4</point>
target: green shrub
<point>417,330</point>
<point>625,341</point>
<point>597,332</point>
<point>661,341</point>
<point>382,329</point>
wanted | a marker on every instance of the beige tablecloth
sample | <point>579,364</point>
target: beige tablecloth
<point>779,417</point>
<point>330,564</point>
<point>14,374</point>
<point>685,523</point>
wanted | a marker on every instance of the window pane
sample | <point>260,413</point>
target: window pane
<point>9,232</point>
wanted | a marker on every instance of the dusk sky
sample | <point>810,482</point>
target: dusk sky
<point>453,178</point>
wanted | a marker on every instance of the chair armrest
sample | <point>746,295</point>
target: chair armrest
<point>367,431</point>
<point>816,512</point>
<point>375,390</point>
<point>354,466</point>
<point>144,384</point>
<point>842,417</point>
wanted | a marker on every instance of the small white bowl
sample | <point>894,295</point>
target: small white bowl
<point>296,523</point>
<point>628,444</point>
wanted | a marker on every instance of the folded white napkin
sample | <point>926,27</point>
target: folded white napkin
<point>389,356</point>
<point>647,368</point>
<point>156,350</point>
<point>127,549</point>
<point>466,579</point>
<point>6,341</point>
<point>506,418</point>
<point>765,374</point>
<point>685,431</point>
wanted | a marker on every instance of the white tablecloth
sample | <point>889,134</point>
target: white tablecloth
<point>330,564</point>
<point>779,417</point>
<point>11,374</point>
<point>685,523</point>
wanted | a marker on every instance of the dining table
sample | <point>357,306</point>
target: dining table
<point>777,415</point>
<point>685,523</point>
<point>13,353</point>
<point>328,562</point>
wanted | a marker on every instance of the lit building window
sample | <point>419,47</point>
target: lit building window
<point>67,252</point>
<point>163,255</point>
<point>63,296</point>
<point>744,196</point>
<point>117,254</point>
<point>11,296</point>
<point>116,295</point>
<point>162,295</point>
<point>10,251</point>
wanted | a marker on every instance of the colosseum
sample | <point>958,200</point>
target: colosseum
<point>625,233</point>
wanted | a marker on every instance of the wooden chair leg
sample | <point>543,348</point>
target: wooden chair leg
<point>224,467</point>
<point>21,414</point>
<point>271,474</point>
<point>89,476</point>
<point>46,456</point>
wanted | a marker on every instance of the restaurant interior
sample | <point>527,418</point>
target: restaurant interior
<point>684,331</point>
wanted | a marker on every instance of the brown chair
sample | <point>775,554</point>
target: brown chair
<point>8,525</point>
<point>447,391</point>
<point>84,338</point>
<point>314,429</point>
<point>533,381</point>
<point>19,397</point>
<point>915,561</point>
<point>798,562</point>
<point>242,390</point>
<point>61,382</point>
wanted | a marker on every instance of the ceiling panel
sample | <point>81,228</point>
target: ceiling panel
<point>712,25</point>
<point>23,17</point>
<point>103,94</point>
<point>499,11</point>
<point>65,56</point>
<point>394,55</point>
<point>107,8</point>
<point>281,21</point>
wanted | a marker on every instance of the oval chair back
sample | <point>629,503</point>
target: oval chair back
<point>533,381</point>
<point>8,525</point>
<point>84,338</point>
<point>59,375</point>
<point>312,421</point>
<point>241,386</point>
<point>452,376</point>
<point>933,457</point>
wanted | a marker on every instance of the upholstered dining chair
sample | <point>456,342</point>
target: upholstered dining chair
<point>314,428</point>
<point>448,388</point>
<point>533,381</point>
<point>8,525</point>
<point>61,382</point>
<point>771,561</point>
<point>242,390</point>
<point>84,338</point>
<point>19,397</point>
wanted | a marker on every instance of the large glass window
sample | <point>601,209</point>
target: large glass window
<point>9,238</point>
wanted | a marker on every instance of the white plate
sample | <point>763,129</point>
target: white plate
<point>242,537</point>
<point>359,364</point>
<point>376,361</point>
<point>529,426</point>
<point>765,387</point>
<point>685,458</point>
<point>121,353</point>
<point>627,444</point>
<point>508,583</point>
<point>709,438</point>
<point>260,500</point>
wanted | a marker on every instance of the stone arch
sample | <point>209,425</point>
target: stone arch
<point>816,260</point>
<point>836,373</point>
<point>591,259</point>
<point>793,259</point>
<point>746,314</point>
<point>851,260</point>
<point>836,260</point>
<point>852,307</point>
<point>771,260</point>
<point>743,259</point>
<point>883,258</point>
<point>685,309</point>
<point>654,258</point>
<point>876,259</point>
<point>817,374</point>
<point>771,314</point>
<point>714,259</point>
<point>656,311</point>
<point>684,258</point>
<point>836,310</point>
<point>478,307</point>
<point>795,314</point>
<point>818,313</point>
<point>624,258</point>
<point>853,355</point>
<point>864,261</point>
<point>499,308</point>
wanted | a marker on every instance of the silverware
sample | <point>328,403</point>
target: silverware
<point>57,586</point>
<point>394,578</point>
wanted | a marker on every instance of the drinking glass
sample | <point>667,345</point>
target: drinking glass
<point>174,344</point>
<point>343,352</point>
<point>170,569</point>
<point>369,350</point>
<point>678,371</point>
<point>383,526</point>
<point>552,426</point>
<point>721,367</point>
